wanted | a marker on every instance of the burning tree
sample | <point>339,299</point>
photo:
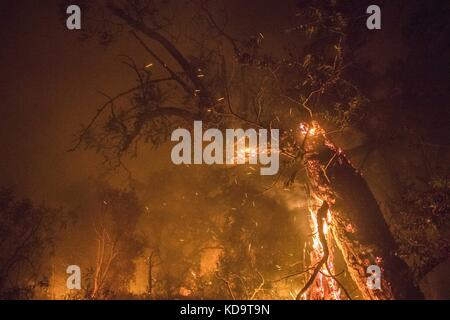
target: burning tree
<point>226,81</point>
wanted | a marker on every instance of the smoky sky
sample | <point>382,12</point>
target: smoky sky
<point>49,82</point>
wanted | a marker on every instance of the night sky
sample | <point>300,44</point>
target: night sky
<point>48,89</point>
<point>49,86</point>
<point>50,79</point>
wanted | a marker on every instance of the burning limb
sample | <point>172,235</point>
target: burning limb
<point>323,262</point>
<point>321,215</point>
<point>334,276</point>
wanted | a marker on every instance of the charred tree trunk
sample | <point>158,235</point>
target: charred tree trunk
<point>358,227</point>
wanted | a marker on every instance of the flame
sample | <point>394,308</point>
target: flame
<point>244,152</point>
<point>325,286</point>
<point>310,129</point>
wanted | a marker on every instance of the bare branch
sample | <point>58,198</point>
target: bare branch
<point>104,106</point>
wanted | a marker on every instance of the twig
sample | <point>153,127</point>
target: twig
<point>295,274</point>
<point>228,286</point>
<point>260,286</point>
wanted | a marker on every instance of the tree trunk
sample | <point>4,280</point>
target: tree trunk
<point>358,224</point>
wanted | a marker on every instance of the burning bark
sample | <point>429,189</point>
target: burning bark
<point>321,248</point>
<point>358,225</point>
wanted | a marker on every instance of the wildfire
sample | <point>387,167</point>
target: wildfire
<point>243,153</point>
<point>309,129</point>
<point>324,286</point>
<point>250,152</point>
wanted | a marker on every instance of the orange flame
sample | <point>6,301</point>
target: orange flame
<point>324,286</point>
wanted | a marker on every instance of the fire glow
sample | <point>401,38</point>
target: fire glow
<point>324,286</point>
<point>257,146</point>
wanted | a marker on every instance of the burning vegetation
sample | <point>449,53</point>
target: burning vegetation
<point>309,229</point>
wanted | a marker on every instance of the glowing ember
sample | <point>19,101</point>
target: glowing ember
<point>307,129</point>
